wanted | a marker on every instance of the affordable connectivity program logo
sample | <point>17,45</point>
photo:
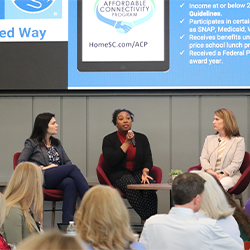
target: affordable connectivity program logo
<point>124,15</point>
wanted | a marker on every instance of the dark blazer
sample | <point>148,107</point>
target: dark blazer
<point>116,158</point>
<point>33,152</point>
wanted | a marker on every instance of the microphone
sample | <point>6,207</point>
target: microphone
<point>219,140</point>
<point>133,139</point>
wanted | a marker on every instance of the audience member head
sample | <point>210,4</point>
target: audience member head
<point>118,111</point>
<point>40,128</point>
<point>214,203</point>
<point>187,187</point>
<point>2,209</point>
<point>230,124</point>
<point>102,219</point>
<point>51,240</point>
<point>25,188</point>
<point>240,215</point>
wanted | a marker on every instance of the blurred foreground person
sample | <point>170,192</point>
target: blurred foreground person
<point>24,197</point>
<point>216,206</point>
<point>240,214</point>
<point>51,240</point>
<point>102,221</point>
<point>3,244</point>
<point>180,229</point>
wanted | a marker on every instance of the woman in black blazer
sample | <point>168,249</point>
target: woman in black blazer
<point>59,173</point>
<point>130,164</point>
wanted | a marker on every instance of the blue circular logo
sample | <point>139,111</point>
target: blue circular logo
<point>33,6</point>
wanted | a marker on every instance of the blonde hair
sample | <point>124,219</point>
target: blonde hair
<point>214,203</point>
<point>2,209</point>
<point>230,124</point>
<point>51,240</point>
<point>102,219</point>
<point>25,188</point>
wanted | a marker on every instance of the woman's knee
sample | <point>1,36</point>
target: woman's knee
<point>72,168</point>
<point>227,183</point>
<point>68,183</point>
<point>75,168</point>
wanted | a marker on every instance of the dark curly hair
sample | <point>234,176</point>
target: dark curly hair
<point>118,111</point>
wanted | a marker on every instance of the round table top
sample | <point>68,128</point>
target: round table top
<point>152,186</point>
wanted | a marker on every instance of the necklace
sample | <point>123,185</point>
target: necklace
<point>47,144</point>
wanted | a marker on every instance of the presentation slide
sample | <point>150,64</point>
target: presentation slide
<point>124,44</point>
<point>130,37</point>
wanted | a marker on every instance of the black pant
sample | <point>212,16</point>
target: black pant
<point>69,179</point>
<point>144,202</point>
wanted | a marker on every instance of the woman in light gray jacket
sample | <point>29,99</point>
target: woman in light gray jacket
<point>223,153</point>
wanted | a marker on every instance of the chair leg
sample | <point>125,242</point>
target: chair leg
<point>241,202</point>
<point>42,216</point>
<point>77,205</point>
<point>53,214</point>
<point>240,198</point>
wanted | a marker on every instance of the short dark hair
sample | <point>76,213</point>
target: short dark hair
<point>186,187</point>
<point>118,111</point>
<point>40,129</point>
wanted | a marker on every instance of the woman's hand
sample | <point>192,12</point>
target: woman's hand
<point>220,176</point>
<point>49,166</point>
<point>210,171</point>
<point>145,176</point>
<point>128,141</point>
<point>129,136</point>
